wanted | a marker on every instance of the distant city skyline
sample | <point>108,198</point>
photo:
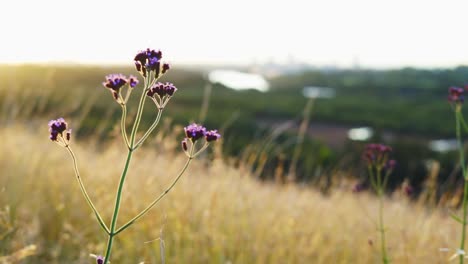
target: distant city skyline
<point>371,34</point>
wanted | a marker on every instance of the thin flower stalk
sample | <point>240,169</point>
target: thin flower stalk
<point>85,193</point>
<point>124,173</point>
<point>150,130</point>
<point>456,99</point>
<point>376,156</point>
<point>458,120</point>
<point>123,126</point>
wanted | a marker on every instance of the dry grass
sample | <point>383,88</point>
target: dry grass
<point>216,214</point>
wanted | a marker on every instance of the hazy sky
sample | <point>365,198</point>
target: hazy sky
<point>375,33</point>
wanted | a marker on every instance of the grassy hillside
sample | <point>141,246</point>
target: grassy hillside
<point>216,214</point>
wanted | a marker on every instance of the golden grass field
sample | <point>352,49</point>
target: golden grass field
<point>215,214</point>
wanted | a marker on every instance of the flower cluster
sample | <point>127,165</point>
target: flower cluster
<point>161,93</point>
<point>194,132</point>
<point>377,155</point>
<point>150,60</point>
<point>114,82</point>
<point>57,129</point>
<point>456,95</point>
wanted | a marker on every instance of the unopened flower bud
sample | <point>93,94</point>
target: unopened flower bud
<point>184,144</point>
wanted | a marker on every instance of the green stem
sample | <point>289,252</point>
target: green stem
<point>83,190</point>
<point>124,172</point>
<point>141,106</point>
<point>122,125</point>
<point>381,226</point>
<point>153,126</point>
<point>152,204</point>
<point>117,207</point>
<point>462,119</point>
<point>458,120</point>
<point>372,178</point>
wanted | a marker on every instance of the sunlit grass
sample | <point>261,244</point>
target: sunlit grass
<point>216,214</point>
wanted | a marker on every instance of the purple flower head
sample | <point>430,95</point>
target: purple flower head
<point>152,64</point>
<point>132,81</point>
<point>376,154</point>
<point>57,128</point>
<point>456,95</point>
<point>148,60</point>
<point>115,81</point>
<point>161,90</point>
<point>194,132</point>
<point>170,88</point>
<point>212,135</point>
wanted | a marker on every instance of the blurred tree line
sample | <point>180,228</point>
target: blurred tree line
<point>409,102</point>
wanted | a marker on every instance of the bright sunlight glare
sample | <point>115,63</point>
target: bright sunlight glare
<point>344,33</point>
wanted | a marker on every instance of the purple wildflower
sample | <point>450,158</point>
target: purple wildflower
<point>377,154</point>
<point>456,95</point>
<point>114,82</point>
<point>100,260</point>
<point>57,128</point>
<point>150,60</point>
<point>132,81</point>
<point>194,132</point>
<point>161,93</point>
<point>212,135</point>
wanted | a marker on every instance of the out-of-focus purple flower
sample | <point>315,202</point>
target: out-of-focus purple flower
<point>377,154</point>
<point>100,260</point>
<point>359,187</point>
<point>57,128</point>
<point>132,81</point>
<point>456,95</point>
<point>409,190</point>
<point>194,132</point>
<point>391,164</point>
<point>212,135</point>
<point>149,60</point>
